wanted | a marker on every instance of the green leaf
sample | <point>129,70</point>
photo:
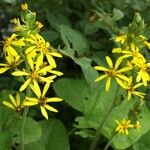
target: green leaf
<point>32,130</point>
<point>117,14</point>
<point>34,146</point>
<point>78,41</point>
<point>54,135</point>
<point>5,141</point>
<point>143,143</point>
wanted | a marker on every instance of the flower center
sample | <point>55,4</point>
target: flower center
<point>112,73</point>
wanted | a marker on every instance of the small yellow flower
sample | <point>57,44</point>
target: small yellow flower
<point>137,126</point>
<point>24,7</point>
<point>11,63</point>
<point>121,38</point>
<point>42,100</point>
<point>143,73</point>
<point>10,43</point>
<point>113,72</point>
<point>131,88</point>
<point>37,73</point>
<point>40,45</point>
<point>124,126</point>
<point>39,24</point>
<point>15,103</point>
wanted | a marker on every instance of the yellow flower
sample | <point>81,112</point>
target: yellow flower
<point>112,72</point>
<point>40,45</point>
<point>132,51</point>
<point>131,88</point>
<point>9,44</point>
<point>15,103</point>
<point>42,100</point>
<point>143,71</point>
<point>36,74</point>
<point>24,7</point>
<point>39,24</point>
<point>124,126</point>
<point>12,62</point>
<point>121,38</point>
<point>137,126</point>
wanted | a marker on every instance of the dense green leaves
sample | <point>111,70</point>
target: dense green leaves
<point>54,135</point>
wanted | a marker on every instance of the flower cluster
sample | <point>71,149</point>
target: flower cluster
<point>131,70</point>
<point>31,58</point>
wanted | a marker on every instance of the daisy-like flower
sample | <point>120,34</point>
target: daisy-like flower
<point>37,74</point>
<point>132,51</point>
<point>113,72</point>
<point>143,73</point>
<point>131,88</point>
<point>121,38</point>
<point>15,104</point>
<point>10,43</point>
<point>42,100</point>
<point>40,45</point>
<point>124,126</point>
<point>11,63</point>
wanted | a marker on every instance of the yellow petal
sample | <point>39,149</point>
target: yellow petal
<point>50,108</point>
<point>37,90</point>
<point>118,62</point>
<point>8,105</point>
<point>12,100</point>
<point>51,60</point>
<point>56,54</point>
<point>46,87</point>
<point>44,113</point>
<point>109,61</point>
<point>100,68</point>
<point>39,61</point>
<point>54,99</point>
<point>56,72</point>
<point>101,77</point>
<point>28,103</point>
<point>18,99</point>
<point>108,82</point>
<point>20,73</point>
<point>2,70</point>
<point>26,83</point>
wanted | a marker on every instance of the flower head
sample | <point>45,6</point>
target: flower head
<point>41,100</point>
<point>113,72</point>
<point>131,88</point>
<point>121,38</point>
<point>24,7</point>
<point>124,126</point>
<point>15,103</point>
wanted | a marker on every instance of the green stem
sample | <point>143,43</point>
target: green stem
<point>22,145</point>
<point>109,142</point>
<point>96,139</point>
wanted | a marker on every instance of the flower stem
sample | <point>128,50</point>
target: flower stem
<point>109,142</point>
<point>22,145</point>
<point>96,139</point>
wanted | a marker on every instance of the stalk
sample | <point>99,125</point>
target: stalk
<point>96,139</point>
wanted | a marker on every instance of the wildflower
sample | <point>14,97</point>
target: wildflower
<point>12,62</point>
<point>132,51</point>
<point>15,103</point>
<point>121,38</point>
<point>143,71</point>
<point>9,44</point>
<point>137,126</point>
<point>112,72</point>
<point>42,100</point>
<point>131,88</point>
<point>39,24</point>
<point>40,45</point>
<point>36,74</point>
<point>24,7</point>
<point>124,126</point>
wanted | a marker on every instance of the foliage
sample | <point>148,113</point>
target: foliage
<point>80,40</point>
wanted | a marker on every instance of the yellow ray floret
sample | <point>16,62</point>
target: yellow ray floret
<point>41,100</point>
